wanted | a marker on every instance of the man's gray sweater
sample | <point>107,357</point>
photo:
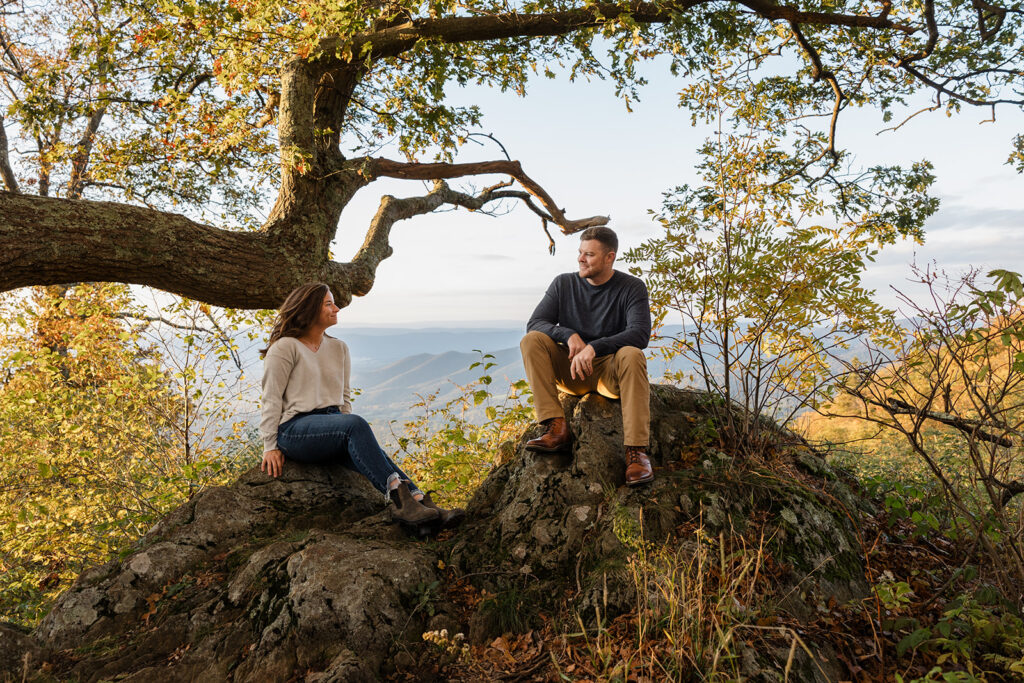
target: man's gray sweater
<point>607,316</point>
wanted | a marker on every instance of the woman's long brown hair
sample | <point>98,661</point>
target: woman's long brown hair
<point>299,311</point>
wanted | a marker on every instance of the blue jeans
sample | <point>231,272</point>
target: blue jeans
<point>328,436</point>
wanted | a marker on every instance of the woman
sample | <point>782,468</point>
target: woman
<point>307,406</point>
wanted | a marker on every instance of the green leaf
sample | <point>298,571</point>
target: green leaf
<point>913,641</point>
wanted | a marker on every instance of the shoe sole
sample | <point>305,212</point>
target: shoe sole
<point>645,480</point>
<point>543,449</point>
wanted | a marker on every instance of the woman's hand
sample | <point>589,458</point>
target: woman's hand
<point>273,462</point>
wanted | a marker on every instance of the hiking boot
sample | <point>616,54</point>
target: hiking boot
<point>638,466</point>
<point>408,510</point>
<point>556,439</point>
<point>449,518</point>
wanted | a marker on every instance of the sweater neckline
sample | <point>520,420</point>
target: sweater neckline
<point>315,352</point>
<point>604,284</point>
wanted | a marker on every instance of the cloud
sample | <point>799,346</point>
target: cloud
<point>972,217</point>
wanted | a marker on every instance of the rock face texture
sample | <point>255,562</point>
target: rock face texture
<point>305,578</point>
<point>259,581</point>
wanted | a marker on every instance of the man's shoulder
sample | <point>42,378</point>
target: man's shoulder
<point>627,281</point>
<point>565,278</point>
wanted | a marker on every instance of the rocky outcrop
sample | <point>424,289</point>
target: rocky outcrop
<point>258,581</point>
<point>304,577</point>
<point>547,523</point>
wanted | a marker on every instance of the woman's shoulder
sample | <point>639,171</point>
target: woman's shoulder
<point>334,343</point>
<point>284,346</point>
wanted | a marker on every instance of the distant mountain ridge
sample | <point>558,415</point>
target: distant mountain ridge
<point>388,392</point>
<point>375,347</point>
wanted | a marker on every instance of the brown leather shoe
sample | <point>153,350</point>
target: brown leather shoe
<point>449,518</point>
<point>408,510</point>
<point>556,439</point>
<point>638,466</point>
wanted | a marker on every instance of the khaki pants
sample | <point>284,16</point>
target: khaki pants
<point>623,374</point>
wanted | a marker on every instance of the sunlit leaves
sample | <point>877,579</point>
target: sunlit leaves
<point>100,437</point>
<point>762,261</point>
<point>452,447</point>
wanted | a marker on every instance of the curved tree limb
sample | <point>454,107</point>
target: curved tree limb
<point>985,12</point>
<point>442,171</point>
<point>819,72</point>
<point>377,247</point>
<point>390,42</point>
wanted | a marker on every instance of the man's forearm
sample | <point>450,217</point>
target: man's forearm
<point>628,337</point>
<point>557,332</point>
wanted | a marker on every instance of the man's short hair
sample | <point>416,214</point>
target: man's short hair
<point>604,235</point>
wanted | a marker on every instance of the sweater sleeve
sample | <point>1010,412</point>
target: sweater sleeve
<point>277,367</point>
<point>346,396</point>
<point>545,316</point>
<point>638,323</point>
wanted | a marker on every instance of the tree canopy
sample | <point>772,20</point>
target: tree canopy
<point>137,138</point>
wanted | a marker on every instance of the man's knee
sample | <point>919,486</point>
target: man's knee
<point>533,341</point>
<point>630,357</point>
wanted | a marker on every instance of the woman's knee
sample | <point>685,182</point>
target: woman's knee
<point>353,421</point>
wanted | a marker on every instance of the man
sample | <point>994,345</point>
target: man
<point>587,334</point>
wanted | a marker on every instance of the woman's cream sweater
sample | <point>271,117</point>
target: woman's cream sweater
<point>297,380</point>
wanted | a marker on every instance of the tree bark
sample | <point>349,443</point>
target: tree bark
<point>51,241</point>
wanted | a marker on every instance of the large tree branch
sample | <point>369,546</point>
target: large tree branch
<point>50,241</point>
<point>377,247</point>
<point>393,41</point>
<point>439,171</point>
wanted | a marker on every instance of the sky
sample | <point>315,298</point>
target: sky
<point>595,158</point>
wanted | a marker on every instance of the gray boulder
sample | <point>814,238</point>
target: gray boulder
<point>304,577</point>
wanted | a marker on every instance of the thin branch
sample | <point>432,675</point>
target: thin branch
<point>907,120</point>
<point>493,139</point>
<point>13,58</point>
<point>971,427</point>
<point>6,172</point>
<point>377,247</point>
<point>81,159</point>
<point>952,93</point>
